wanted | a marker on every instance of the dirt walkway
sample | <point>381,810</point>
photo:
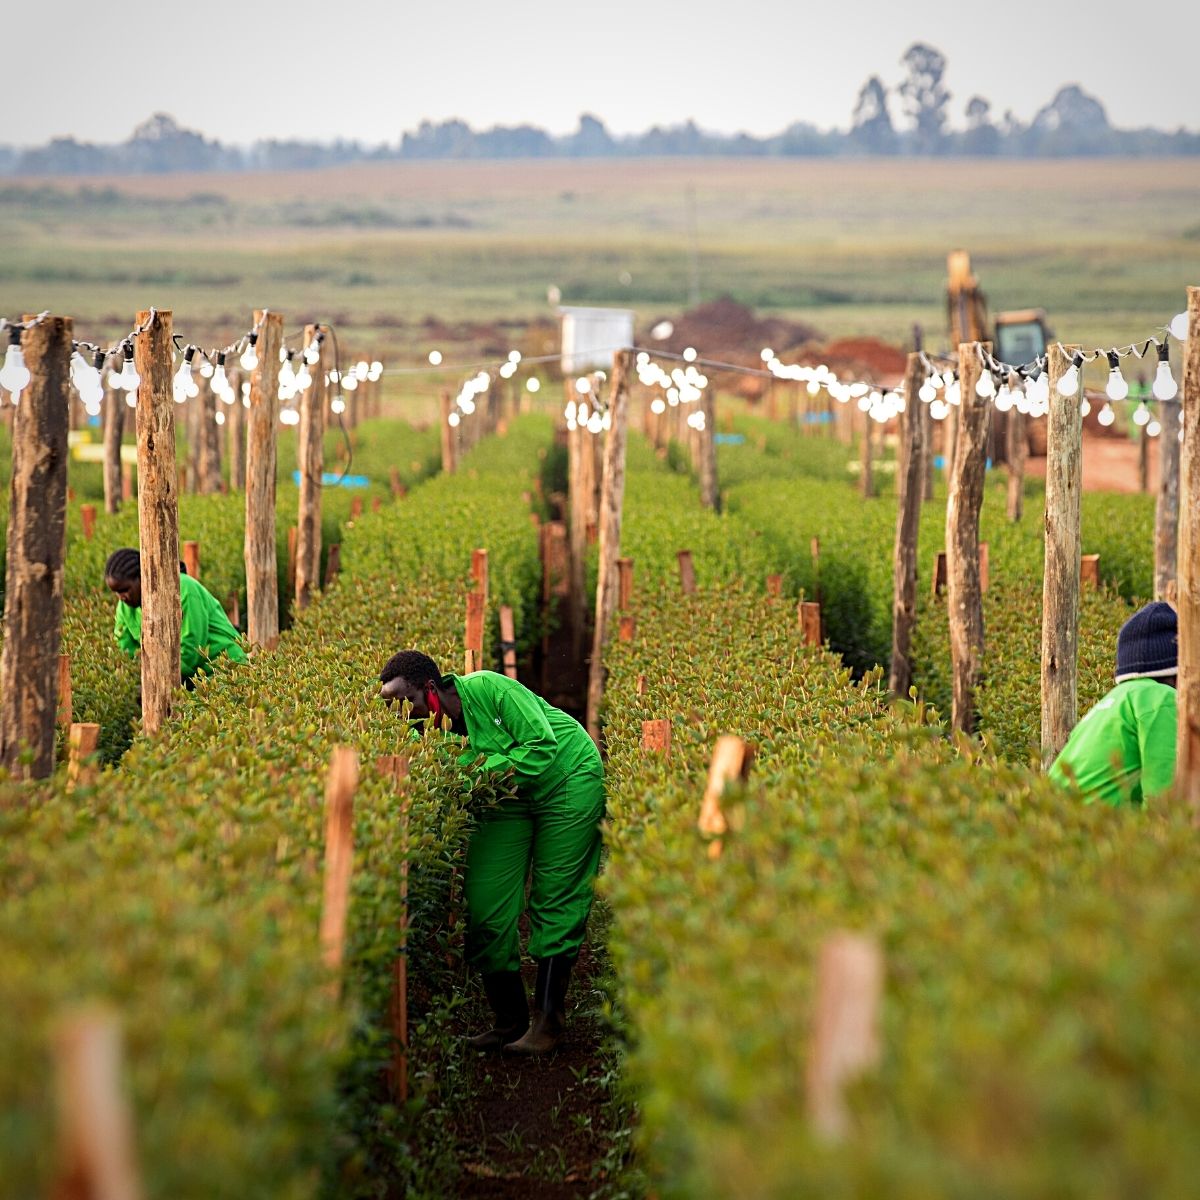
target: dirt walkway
<point>1109,465</point>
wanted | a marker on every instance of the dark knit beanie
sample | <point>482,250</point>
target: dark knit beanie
<point>1148,644</point>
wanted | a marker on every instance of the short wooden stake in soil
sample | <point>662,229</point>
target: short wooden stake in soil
<point>66,714</point>
<point>640,686</point>
<point>610,579</point>
<point>908,516</point>
<point>191,558</point>
<point>1089,570</point>
<point>479,573</point>
<point>625,583</point>
<point>814,549</point>
<point>397,486</point>
<point>508,641</point>
<point>82,740</point>
<point>340,785</point>
<point>731,760</point>
<point>845,1041</point>
<point>37,515</point>
<point>95,1124</point>
<point>627,628</point>
<point>1166,509</point>
<point>262,581</point>
<point>473,633</point>
<point>963,592</point>
<point>774,585</point>
<point>87,518</point>
<point>810,622</point>
<point>1187,770</point>
<point>158,517</point>
<point>1060,587</point>
<point>687,573</point>
<point>310,458</point>
<point>333,563</point>
<point>984,567</point>
<point>656,736</point>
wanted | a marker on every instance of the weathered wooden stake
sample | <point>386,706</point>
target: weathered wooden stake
<point>1060,587</point>
<point>340,785</point>
<point>1187,758</point>
<point>449,436</point>
<point>82,740</point>
<point>939,574</point>
<point>641,687</point>
<point>731,761</point>
<point>479,573</point>
<point>235,423</point>
<point>87,519</point>
<point>191,558</point>
<point>289,566</point>
<point>95,1134</point>
<point>656,736</point>
<point>810,622</point>
<point>868,471</point>
<point>66,707</point>
<point>774,585</point>
<point>1166,510</point>
<point>626,628</point>
<point>114,426</point>
<point>624,583</point>
<point>262,578</point>
<point>310,458</point>
<point>508,641</point>
<point>908,518</point>
<point>610,581</point>
<point>687,573</point>
<point>1089,570</point>
<point>473,633</point>
<point>33,599</point>
<point>710,493</point>
<point>158,517</point>
<point>984,567</point>
<point>963,591</point>
<point>845,1042</point>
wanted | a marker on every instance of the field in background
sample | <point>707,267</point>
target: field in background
<point>1106,247</point>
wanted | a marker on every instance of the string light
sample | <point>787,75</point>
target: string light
<point>1164,386</point>
<point>1179,327</point>
<point>249,359</point>
<point>1106,416</point>
<point>183,386</point>
<point>1068,385</point>
<point>1117,387</point>
<point>1141,415</point>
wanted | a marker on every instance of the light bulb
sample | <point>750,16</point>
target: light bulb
<point>953,392</point>
<point>453,420</point>
<point>338,405</point>
<point>689,354</point>
<point>508,370</point>
<point>219,416</point>
<point>220,381</point>
<point>14,375</point>
<point>1040,387</point>
<point>1024,399</point>
<point>514,356</point>
<point>350,382</point>
<point>1179,327</point>
<point>287,379</point>
<point>435,358</point>
<point>1153,429</point>
<point>927,392</point>
<point>206,369</point>
<point>1106,416</point>
<point>986,386</point>
<point>595,423</point>
<point>182,384</point>
<point>303,378</point>
<point>583,386</point>
<point>1085,407</point>
<point>130,379</point>
<point>939,410</point>
<point>581,414</point>
<point>1068,385</point>
<point>312,352</point>
<point>376,371</point>
<point>362,369</point>
<point>657,407</point>
<point>1004,399</point>
<point>1141,415</point>
<point>766,354</point>
<point>131,399</point>
<point>570,410</point>
<point>1116,388</point>
<point>1165,387</point>
<point>532,385</point>
<point>249,359</point>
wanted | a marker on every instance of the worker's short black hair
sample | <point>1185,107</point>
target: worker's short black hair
<point>123,565</point>
<point>412,665</point>
<point>126,565</point>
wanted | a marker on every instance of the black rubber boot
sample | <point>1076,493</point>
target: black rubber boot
<point>506,994</point>
<point>549,1008</point>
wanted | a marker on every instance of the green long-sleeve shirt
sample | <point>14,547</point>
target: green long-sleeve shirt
<point>1123,751</point>
<point>204,633</point>
<point>515,728</point>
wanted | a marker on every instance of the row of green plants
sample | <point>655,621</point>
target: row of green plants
<point>1039,955</point>
<point>184,888</point>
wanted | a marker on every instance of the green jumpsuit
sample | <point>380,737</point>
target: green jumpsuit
<point>552,826</point>
<point>204,633</point>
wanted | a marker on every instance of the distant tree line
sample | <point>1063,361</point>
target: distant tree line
<point>1071,124</point>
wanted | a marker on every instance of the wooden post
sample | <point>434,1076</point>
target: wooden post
<point>656,736</point>
<point>984,567</point>
<point>396,485</point>
<point>340,785</point>
<point>1187,769</point>
<point>810,622</point>
<point>1060,588</point>
<point>964,595</point>
<point>191,558</point>
<point>333,563</point>
<point>310,458</point>
<point>908,518</point>
<point>845,1039</point>
<point>37,514</point>
<point>262,579</point>
<point>1166,509</point>
<point>233,610</point>
<point>1089,570</point>
<point>210,439</point>
<point>640,687</point>
<point>1017,450</point>
<point>710,494</point>
<point>508,641</point>
<point>1143,461</point>
<point>479,573</point>
<point>114,426</point>
<point>376,504</point>
<point>82,740</point>
<point>293,536</point>
<point>939,574</point>
<point>611,579</point>
<point>126,480</point>
<point>928,455</point>
<point>624,583</point>
<point>731,761</point>
<point>95,1135</point>
<point>87,519</point>
<point>687,573</point>
<point>473,633</point>
<point>626,628</point>
<point>868,471</point>
<point>158,518</point>
<point>66,706</point>
<point>449,440</point>
<point>193,414</point>
<point>235,423</point>
<point>774,585</point>
<point>356,508</point>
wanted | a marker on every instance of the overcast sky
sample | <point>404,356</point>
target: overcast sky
<point>370,69</point>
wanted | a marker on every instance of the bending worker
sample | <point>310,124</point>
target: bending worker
<point>1123,751</point>
<point>205,632</point>
<point>552,827</point>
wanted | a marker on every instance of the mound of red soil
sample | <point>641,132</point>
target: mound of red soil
<point>726,329</point>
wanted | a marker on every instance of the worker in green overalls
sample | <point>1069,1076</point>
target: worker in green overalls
<point>551,828</point>
<point>205,632</point>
